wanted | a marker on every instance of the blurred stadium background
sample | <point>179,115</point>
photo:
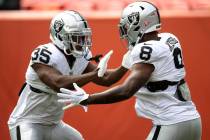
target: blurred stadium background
<point>24,24</point>
<point>100,5</point>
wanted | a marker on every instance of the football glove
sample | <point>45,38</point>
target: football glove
<point>74,97</point>
<point>102,66</point>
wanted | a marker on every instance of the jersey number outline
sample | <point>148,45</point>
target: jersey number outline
<point>42,54</point>
<point>145,53</point>
<point>177,53</point>
<point>178,62</point>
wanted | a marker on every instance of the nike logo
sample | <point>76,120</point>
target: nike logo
<point>147,44</point>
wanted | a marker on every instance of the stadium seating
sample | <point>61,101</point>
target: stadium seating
<point>199,4</point>
<point>42,4</point>
<point>78,5</point>
<point>103,5</point>
<point>173,4</point>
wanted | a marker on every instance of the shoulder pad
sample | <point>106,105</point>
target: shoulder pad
<point>42,54</point>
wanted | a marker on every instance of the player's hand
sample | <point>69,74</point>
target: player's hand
<point>102,66</point>
<point>126,62</point>
<point>74,97</point>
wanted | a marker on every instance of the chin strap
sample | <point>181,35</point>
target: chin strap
<point>65,51</point>
<point>139,38</point>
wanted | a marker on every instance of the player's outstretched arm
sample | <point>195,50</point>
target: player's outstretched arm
<point>107,77</point>
<point>55,80</point>
<point>138,77</point>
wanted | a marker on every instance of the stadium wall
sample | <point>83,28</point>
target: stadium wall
<point>19,35</point>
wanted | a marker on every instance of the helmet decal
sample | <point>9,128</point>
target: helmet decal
<point>58,25</point>
<point>134,17</point>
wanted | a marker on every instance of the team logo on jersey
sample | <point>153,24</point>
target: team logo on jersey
<point>171,42</point>
<point>58,25</point>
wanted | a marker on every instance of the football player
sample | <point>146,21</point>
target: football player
<point>156,79</point>
<point>65,60</point>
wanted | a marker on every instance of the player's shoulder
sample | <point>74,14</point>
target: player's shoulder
<point>144,52</point>
<point>153,49</point>
<point>158,46</point>
<point>168,37</point>
<point>170,40</point>
<point>47,46</point>
<point>148,47</point>
<point>45,53</point>
<point>166,34</point>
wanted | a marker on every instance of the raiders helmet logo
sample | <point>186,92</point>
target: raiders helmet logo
<point>134,17</point>
<point>58,25</point>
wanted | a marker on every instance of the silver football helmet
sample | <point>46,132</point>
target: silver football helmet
<point>137,19</point>
<point>70,32</point>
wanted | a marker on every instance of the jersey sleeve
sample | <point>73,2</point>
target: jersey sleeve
<point>149,54</point>
<point>43,55</point>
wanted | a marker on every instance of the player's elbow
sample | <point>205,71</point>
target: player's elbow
<point>56,86</point>
<point>60,83</point>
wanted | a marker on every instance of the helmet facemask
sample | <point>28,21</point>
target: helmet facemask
<point>77,43</point>
<point>123,31</point>
<point>129,29</point>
